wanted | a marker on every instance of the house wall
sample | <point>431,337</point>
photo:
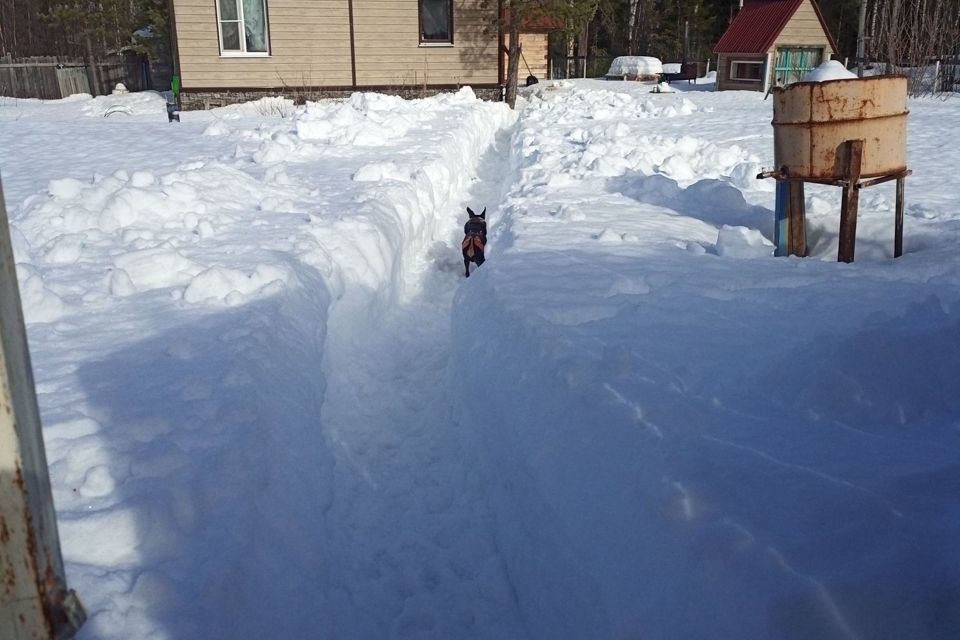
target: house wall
<point>725,83</point>
<point>310,47</point>
<point>389,53</point>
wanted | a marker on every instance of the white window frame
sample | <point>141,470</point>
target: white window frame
<point>243,53</point>
<point>733,70</point>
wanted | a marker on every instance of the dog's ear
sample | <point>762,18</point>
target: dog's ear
<point>472,214</point>
<point>483,214</point>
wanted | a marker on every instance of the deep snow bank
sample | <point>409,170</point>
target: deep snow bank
<point>179,322</point>
<point>682,443</point>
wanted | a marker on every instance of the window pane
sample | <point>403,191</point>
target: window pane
<point>435,20</point>
<point>255,25</point>
<point>231,36</point>
<point>228,9</point>
<point>747,71</point>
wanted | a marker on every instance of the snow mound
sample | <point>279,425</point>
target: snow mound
<point>635,66</point>
<point>379,171</point>
<point>367,119</point>
<point>217,128</point>
<point>829,70</point>
<point>741,242</point>
<point>233,286</point>
<point>268,106</point>
<point>144,104</point>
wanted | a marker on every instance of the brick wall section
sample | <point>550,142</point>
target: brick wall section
<point>198,100</point>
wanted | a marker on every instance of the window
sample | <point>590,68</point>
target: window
<point>793,63</point>
<point>436,21</point>
<point>746,70</point>
<point>243,27</point>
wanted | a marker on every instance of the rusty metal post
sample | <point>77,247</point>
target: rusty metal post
<point>850,201</point>
<point>898,224</point>
<point>797,237</point>
<point>35,603</point>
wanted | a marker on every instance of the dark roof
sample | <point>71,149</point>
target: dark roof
<point>759,22</point>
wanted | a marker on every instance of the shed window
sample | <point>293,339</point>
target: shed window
<point>436,21</point>
<point>746,70</point>
<point>793,63</point>
<point>243,27</point>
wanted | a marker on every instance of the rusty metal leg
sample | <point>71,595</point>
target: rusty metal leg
<point>851,201</point>
<point>898,224</point>
<point>797,245</point>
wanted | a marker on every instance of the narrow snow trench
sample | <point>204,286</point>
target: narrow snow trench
<point>409,537</point>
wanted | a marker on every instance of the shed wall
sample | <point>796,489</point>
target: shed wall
<point>725,83</point>
<point>804,29</point>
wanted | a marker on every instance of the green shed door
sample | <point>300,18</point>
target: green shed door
<point>794,62</point>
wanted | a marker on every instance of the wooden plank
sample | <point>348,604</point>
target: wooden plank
<point>898,222</point>
<point>850,202</point>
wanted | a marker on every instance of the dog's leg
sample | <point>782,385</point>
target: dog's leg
<point>466,266</point>
<point>480,258</point>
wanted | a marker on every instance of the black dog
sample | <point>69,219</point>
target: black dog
<point>475,239</point>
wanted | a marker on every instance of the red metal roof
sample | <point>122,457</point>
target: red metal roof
<point>759,22</point>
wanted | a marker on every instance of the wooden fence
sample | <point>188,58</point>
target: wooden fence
<point>51,78</point>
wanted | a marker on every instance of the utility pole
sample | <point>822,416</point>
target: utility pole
<point>861,38</point>
<point>35,603</point>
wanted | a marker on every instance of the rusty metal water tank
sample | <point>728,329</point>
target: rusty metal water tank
<point>812,120</point>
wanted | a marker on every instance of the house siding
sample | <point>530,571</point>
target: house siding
<point>389,52</point>
<point>310,47</point>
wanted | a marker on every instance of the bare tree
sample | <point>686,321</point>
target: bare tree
<point>920,38</point>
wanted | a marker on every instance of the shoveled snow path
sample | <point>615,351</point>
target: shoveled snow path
<point>408,530</point>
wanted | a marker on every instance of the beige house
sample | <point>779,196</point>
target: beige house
<point>772,42</point>
<point>232,50</point>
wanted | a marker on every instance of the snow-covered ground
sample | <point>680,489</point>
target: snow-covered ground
<point>273,407</point>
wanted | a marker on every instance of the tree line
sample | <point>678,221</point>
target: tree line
<point>898,33</point>
<point>82,28</point>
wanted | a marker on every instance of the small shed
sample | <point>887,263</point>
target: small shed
<point>772,42</point>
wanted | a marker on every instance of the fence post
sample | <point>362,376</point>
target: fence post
<point>35,603</point>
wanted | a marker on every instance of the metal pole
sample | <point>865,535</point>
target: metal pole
<point>898,220</point>
<point>35,603</point>
<point>861,42</point>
